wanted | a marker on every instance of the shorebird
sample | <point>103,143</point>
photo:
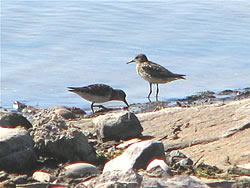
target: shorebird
<point>153,73</point>
<point>99,93</point>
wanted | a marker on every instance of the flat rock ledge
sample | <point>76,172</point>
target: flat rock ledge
<point>204,131</point>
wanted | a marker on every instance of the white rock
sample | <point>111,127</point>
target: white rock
<point>43,176</point>
<point>136,156</point>
<point>79,169</point>
<point>245,166</point>
<point>127,143</point>
<point>157,162</point>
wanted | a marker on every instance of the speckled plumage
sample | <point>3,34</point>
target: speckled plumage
<point>99,93</point>
<point>153,72</point>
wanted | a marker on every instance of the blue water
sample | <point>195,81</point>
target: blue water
<point>47,46</point>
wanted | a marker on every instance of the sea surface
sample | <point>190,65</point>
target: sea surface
<point>47,46</point>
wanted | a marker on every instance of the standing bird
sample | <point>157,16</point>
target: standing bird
<point>153,73</point>
<point>99,93</point>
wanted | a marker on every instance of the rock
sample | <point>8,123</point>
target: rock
<point>69,144</point>
<point>43,176</point>
<point>20,179</point>
<point>116,179</point>
<point>159,163</point>
<point>127,143</point>
<point>136,156</point>
<point>227,92</point>
<point>77,111</point>
<point>157,173</point>
<point>12,120</point>
<point>239,169</point>
<point>241,184</point>
<point>182,181</point>
<point>155,177</point>
<point>185,163</point>
<point>79,169</point>
<point>16,149</point>
<point>175,156</point>
<point>117,126</point>
<point>59,139</point>
<point>217,182</point>
<point>230,123</point>
<point>64,112</point>
<point>3,176</point>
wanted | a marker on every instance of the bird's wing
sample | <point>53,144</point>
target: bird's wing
<point>95,89</point>
<point>156,70</point>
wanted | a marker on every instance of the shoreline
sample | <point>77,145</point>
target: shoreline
<point>201,97</point>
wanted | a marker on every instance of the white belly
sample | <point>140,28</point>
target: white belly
<point>94,98</point>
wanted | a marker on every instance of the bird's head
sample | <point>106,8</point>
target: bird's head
<point>139,59</point>
<point>120,95</point>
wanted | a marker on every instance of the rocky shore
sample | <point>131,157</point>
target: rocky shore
<point>200,141</point>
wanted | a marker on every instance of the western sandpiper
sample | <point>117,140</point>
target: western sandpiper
<point>99,93</point>
<point>153,73</point>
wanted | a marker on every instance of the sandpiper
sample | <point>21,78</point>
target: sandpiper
<point>99,93</point>
<point>153,73</point>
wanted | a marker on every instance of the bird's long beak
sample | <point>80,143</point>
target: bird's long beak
<point>132,61</point>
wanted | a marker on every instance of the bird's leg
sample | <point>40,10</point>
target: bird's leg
<point>92,107</point>
<point>157,92</point>
<point>150,91</point>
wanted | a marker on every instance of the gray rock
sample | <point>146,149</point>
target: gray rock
<point>20,179</point>
<point>175,156</point>
<point>219,183</point>
<point>133,179</point>
<point>185,163</point>
<point>182,181</point>
<point>157,173</point>
<point>12,119</point>
<point>3,176</point>
<point>179,159</point>
<point>241,183</point>
<point>117,126</point>
<point>16,149</point>
<point>119,179</point>
<point>77,170</point>
<point>59,139</point>
<point>136,156</point>
<point>155,178</point>
<point>64,112</point>
<point>67,144</point>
